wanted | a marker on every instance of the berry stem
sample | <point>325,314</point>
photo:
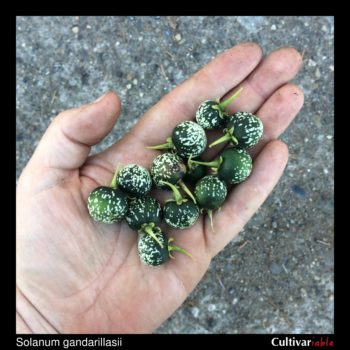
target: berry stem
<point>168,145</point>
<point>190,163</point>
<point>213,164</point>
<point>178,249</point>
<point>176,193</point>
<point>234,140</point>
<point>210,214</point>
<point>228,136</point>
<point>186,189</point>
<point>148,229</point>
<point>224,104</point>
<point>114,182</point>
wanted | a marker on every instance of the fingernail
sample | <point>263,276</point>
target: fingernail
<point>101,97</point>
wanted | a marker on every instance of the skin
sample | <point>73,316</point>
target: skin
<point>78,276</point>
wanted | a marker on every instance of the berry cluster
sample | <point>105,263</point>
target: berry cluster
<point>128,195</point>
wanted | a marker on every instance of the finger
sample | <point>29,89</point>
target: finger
<point>67,142</point>
<point>212,81</point>
<point>277,113</point>
<point>274,71</point>
<point>244,199</point>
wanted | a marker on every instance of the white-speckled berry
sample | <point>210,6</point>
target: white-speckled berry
<point>189,139</point>
<point>135,180</point>
<point>209,115</point>
<point>182,215</point>
<point>143,210</point>
<point>247,129</point>
<point>107,205</point>
<point>167,167</point>
<point>150,252</point>
<point>236,165</point>
<point>210,192</point>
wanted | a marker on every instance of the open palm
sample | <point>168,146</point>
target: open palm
<point>78,276</point>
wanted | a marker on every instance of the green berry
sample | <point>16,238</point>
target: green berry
<point>210,116</point>
<point>180,212</point>
<point>247,129</point>
<point>210,192</point>
<point>211,113</point>
<point>151,253</point>
<point>107,205</point>
<point>135,180</point>
<point>182,215</point>
<point>143,210</point>
<point>243,129</point>
<point>167,167</point>
<point>189,139</point>
<point>236,165</point>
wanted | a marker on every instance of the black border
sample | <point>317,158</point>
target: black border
<point>240,341</point>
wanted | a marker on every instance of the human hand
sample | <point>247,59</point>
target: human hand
<point>75,275</point>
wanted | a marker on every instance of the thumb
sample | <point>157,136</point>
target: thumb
<point>67,142</point>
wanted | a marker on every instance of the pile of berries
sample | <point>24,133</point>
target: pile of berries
<point>128,195</point>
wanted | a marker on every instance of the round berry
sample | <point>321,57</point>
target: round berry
<point>154,254</point>
<point>143,211</point>
<point>107,205</point>
<point>189,139</point>
<point>167,167</point>
<point>236,165</point>
<point>247,129</point>
<point>210,116</point>
<point>210,192</point>
<point>150,252</point>
<point>135,180</point>
<point>181,215</point>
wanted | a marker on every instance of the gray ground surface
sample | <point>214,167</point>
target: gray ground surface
<point>278,275</point>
